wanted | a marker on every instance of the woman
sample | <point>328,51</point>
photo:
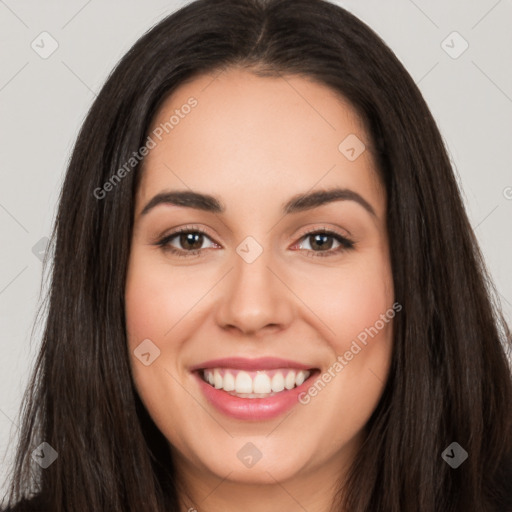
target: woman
<point>333,346</point>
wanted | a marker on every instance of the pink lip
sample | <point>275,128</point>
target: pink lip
<point>255,409</point>
<point>261,363</point>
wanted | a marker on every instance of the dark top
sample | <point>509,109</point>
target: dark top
<point>30,505</point>
<point>34,505</point>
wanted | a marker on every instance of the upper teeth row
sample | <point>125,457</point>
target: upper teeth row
<point>242,382</point>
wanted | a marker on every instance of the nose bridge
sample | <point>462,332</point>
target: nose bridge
<point>254,297</point>
<point>252,262</point>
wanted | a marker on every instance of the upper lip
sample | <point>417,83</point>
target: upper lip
<point>242,363</point>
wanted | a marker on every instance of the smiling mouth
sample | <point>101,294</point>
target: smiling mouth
<point>255,384</point>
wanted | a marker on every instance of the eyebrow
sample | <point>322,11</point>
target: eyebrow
<point>298,203</point>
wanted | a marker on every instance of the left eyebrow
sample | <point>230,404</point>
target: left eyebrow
<point>302,202</point>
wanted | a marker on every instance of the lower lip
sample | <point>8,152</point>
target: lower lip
<point>256,409</point>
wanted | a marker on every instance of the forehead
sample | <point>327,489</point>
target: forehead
<point>249,138</point>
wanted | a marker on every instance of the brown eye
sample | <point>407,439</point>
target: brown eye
<point>186,242</point>
<point>321,243</point>
<point>191,240</point>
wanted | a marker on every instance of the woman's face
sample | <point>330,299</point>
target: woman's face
<point>247,280</point>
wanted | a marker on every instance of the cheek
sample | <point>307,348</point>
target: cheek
<point>356,303</point>
<point>152,308</point>
<point>153,305</point>
<point>155,300</point>
<point>364,297</point>
<point>350,298</point>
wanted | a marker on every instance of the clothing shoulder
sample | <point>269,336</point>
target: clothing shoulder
<point>26,505</point>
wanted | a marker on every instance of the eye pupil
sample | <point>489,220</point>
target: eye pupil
<point>321,241</point>
<point>195,239</point>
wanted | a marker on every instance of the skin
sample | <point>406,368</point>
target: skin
<point>254,143</point>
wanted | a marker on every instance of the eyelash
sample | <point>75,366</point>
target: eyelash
<point>345,243</point>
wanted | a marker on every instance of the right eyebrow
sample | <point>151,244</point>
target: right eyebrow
<point>188,199</point>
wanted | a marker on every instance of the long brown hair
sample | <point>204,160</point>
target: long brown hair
<point>450,380</point>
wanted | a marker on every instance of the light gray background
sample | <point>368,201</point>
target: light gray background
<point>44,101</point>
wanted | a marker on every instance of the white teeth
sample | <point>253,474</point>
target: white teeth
<point>261,384</point>
<point>217,379</point>
<point>278,382</point>
<point>243,383</point>
<point>256,384</point>
<point>289,381</point>
<point>229,382</point>
<point>301,377</point>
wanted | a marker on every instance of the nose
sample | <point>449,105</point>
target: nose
<point>255,299</point>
